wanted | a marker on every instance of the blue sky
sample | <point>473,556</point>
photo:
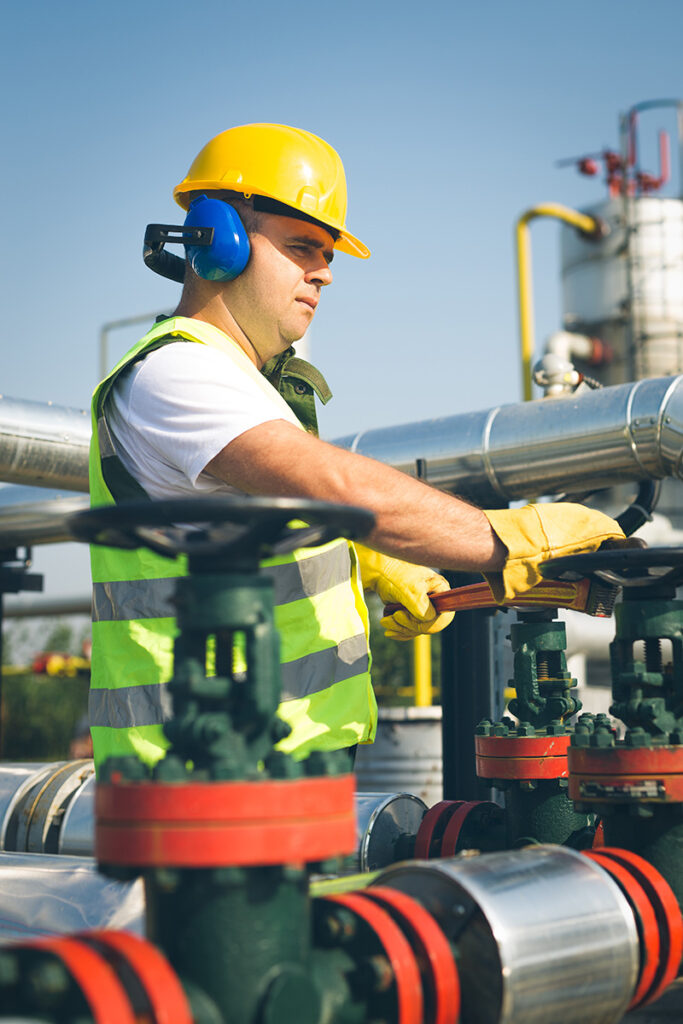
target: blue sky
<point>448,116</point>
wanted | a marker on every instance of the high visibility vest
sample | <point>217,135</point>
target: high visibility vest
<point>319,610</point>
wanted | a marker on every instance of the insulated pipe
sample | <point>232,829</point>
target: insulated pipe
<point>36,515</point>
<point>50,808</point>
<point>582,442</point>
<point>588,225</point>
<point>43,444</point>
<point>596,439</point>
<point>539,936</point>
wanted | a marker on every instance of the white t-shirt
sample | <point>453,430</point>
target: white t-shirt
<point>172,412</point>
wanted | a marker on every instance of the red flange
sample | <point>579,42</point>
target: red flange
<point>165,995</point>
<point>521,757</point>
<point>622,760</point>
<point>397,949</point>
<point>104,993</point>
<point>646,923</point>
<point>667,912</point>
<point>449,843</point>
<point>432,952</point>
<point>522,767</point>
<point>214,824</point>
<point>521,746</point>
<point>626,774</point>
<point>432,827</point>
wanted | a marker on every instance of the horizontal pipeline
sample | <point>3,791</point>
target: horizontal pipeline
<point>582,442</point>
<point>43,445</point>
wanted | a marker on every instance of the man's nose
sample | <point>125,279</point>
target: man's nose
<point>320,276</point>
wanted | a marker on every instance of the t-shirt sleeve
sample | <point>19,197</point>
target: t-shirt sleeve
<point>183,404</point>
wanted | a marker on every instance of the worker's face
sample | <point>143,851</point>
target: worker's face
<point>275,298</point>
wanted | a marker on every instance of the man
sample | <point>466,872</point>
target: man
<point>188,411</point>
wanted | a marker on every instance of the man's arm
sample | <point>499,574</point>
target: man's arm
<point>413,521</point>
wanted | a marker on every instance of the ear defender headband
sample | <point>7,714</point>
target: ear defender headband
<point>215,239</point>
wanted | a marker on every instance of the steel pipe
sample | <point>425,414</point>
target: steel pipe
<point>541,933</point>
<point>50,808</point>
<point>44,444</point>
<point>586,441</point>
<point>36,515</point>
<point>44,895</point>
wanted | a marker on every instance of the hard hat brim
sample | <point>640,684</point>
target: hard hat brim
<point>346,242</point>
<point>351,245</point>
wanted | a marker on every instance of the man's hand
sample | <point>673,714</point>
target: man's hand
<point>398,582</point>
<point>535,533</point>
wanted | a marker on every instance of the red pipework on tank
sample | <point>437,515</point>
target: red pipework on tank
<point>623,175</point>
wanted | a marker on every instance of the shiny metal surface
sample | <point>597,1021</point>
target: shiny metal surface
<point>40,826</point>
<point>50,808</point>
<point>15,781</point>
<point>627,287</point>
<point>36,515</point>
<point>77,834</point>
<point>542,934</point>
<point>35,798</point>
<point>406,755</point>
<point>50,895</point>
<point>594,439</point>
<point>44,607</point>
<point>381,819</point>
<point>44,444</point>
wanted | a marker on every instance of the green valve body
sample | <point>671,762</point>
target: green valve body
<point>537,807</point>
<point>635,783</point>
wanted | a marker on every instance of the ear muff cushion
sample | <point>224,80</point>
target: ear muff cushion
<point>228,254</point>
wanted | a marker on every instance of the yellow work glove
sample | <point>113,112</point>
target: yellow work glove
<point>535,533</point>
<point>397,582</point>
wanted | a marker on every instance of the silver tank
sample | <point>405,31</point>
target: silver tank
<point>542,934</point>
<point>627,288</point>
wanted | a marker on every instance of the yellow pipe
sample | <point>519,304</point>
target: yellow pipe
<point>422,670</point>
<point>589,225</point>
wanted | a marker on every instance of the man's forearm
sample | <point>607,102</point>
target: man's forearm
<point>413,521</point>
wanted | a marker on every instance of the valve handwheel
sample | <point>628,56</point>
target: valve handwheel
<point>244,528</point>
<point>621,567</point>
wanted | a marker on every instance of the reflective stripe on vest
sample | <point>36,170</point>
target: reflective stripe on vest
<point>130,707</point>
<point>319,610</point>
<point>124,600</point>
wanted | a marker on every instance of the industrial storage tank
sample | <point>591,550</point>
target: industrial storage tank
<point>626,289</point>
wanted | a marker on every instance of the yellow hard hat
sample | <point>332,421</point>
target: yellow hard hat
<point>288,165</point>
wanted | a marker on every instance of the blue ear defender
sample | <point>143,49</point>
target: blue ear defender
<point>228,254</point>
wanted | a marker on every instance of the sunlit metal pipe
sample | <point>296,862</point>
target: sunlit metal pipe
<point>43,444</point>
<point>591,440</point>
<point>36,515</point>
<point>582,442</point>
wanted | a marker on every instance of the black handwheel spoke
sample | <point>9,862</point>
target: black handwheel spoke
<point>243,528</point>
<point>622,567</point>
